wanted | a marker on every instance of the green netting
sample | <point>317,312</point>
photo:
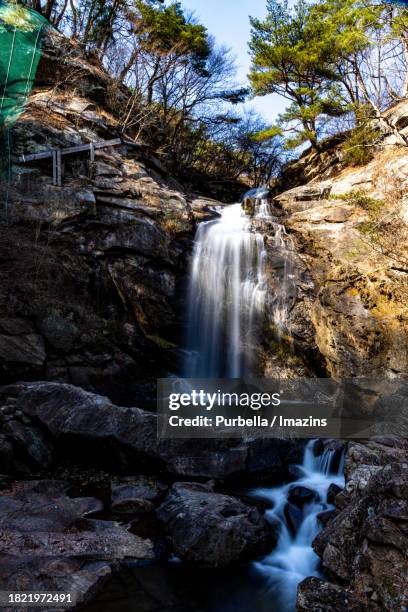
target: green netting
<point>21,32</point>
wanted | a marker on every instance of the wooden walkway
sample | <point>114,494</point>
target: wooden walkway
<point>57,154</point>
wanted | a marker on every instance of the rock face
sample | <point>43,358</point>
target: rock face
<point>213,530</point>
<point>348,244</point>
<point>48,543</point>
<point>93,294</point>
<point>363,546</point>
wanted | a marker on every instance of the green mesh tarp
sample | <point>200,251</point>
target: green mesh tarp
<point>21,32</point>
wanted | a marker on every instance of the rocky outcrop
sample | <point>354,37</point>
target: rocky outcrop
<point>74,421</point>
<point>211,529</point>
<point>49,543</point>
<point>349,241</point>
<point>93,293</point>
<point>363,546</point>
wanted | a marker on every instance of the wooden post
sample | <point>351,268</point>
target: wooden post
<point>59,169</point>
<point>54,167</point>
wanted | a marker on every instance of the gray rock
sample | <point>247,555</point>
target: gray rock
<point>216,464</point>
<point>214,530</point>
<point>66,410</point>
<point>101,169</point>
<point>136,495</point>
<point>316,595</point>
<point>363,545</point>
<point>86,196</point>
<point>132,234</point>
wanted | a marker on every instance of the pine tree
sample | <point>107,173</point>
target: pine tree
<point>292,56</point>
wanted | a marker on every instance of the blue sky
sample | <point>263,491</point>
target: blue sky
<point>228,21</point>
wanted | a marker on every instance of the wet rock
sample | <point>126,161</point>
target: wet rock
<point>214,530</point>
<point>271,456</point>
<point>136,495</point>
<point>315,595</point>
<point>300,496</point>
<point>294,472</point>
<point>332,491</point>
<point>293,516</point>
<point>325,516</point>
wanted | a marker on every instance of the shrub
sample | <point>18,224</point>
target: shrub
<point>358,148</point>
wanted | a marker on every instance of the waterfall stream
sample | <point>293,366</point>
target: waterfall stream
<point>293,558</point>
<point>227,302</point>
<point>227,290</point>
<point>226,296</point>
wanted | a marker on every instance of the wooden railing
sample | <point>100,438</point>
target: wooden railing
<point>57,154</point>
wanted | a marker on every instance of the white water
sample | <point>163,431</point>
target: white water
<point>226,296</point>
<point>293,558</point>
<point>227,291</point>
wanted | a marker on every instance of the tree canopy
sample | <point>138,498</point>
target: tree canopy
<point>329,58</point>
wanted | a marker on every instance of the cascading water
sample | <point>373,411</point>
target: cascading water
<point>293,558</point>
<point>226,296</point>
<point>227,302</point>
<point>227,292</point>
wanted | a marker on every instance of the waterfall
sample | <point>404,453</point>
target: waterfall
<point>226,296</point>
<point>227,300</point>
<point>293,558</point>
<point>227,290</point>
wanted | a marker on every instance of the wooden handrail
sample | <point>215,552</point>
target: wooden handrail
<point>56,154</point>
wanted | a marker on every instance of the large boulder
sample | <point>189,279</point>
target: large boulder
<point>214,530</point>
<point>69,413</point>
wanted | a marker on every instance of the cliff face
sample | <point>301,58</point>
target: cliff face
<point>349,228</point>
<point>92,272</point>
